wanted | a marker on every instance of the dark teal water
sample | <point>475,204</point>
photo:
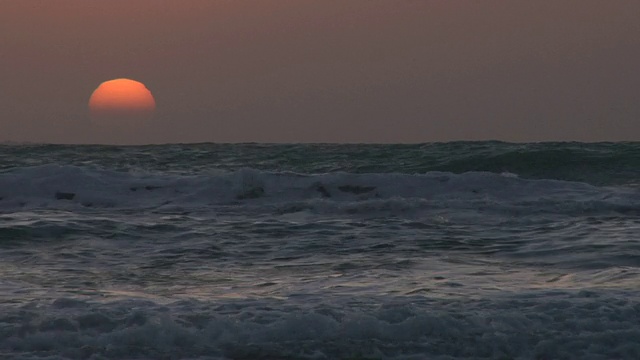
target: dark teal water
<point>464,250</point>
<point>595,163</point>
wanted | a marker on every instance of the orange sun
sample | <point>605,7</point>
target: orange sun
<point>121,102</point>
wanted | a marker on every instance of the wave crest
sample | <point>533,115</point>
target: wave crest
<point>52,186</point>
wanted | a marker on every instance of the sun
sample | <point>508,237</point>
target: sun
<point>121,102</point>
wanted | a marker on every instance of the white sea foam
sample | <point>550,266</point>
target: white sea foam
<point>69,187</point>
<point>249,264</point>
<point>571,325</point>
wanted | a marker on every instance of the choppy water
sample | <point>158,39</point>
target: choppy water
<point>479,250</point>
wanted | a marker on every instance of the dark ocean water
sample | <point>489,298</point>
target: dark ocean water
<point>462,250</point>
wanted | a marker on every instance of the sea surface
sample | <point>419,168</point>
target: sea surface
<point>461,250</point>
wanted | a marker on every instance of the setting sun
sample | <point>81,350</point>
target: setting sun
<point>282,179</point>
<point>121,100</point>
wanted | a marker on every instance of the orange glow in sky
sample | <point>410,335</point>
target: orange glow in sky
<point>289,71</point>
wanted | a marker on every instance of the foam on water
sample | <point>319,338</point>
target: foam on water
<point>585,325</point>
<point>439,251</point>
<point>69,187</point>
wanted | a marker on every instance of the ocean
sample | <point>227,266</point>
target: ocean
<point>460,250</point>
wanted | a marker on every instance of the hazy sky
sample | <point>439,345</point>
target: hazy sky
<point>326,70</point>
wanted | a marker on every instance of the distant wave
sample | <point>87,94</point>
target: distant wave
<point>54,186</point>
<point>594,163</point>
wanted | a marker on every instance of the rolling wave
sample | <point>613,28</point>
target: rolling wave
<point>594,163</point>
<point>64,187</point>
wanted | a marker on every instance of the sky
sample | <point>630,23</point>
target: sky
<point>373,71</point>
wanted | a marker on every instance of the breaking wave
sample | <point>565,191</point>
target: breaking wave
<point>55,186</point>
<point>582,324</point>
